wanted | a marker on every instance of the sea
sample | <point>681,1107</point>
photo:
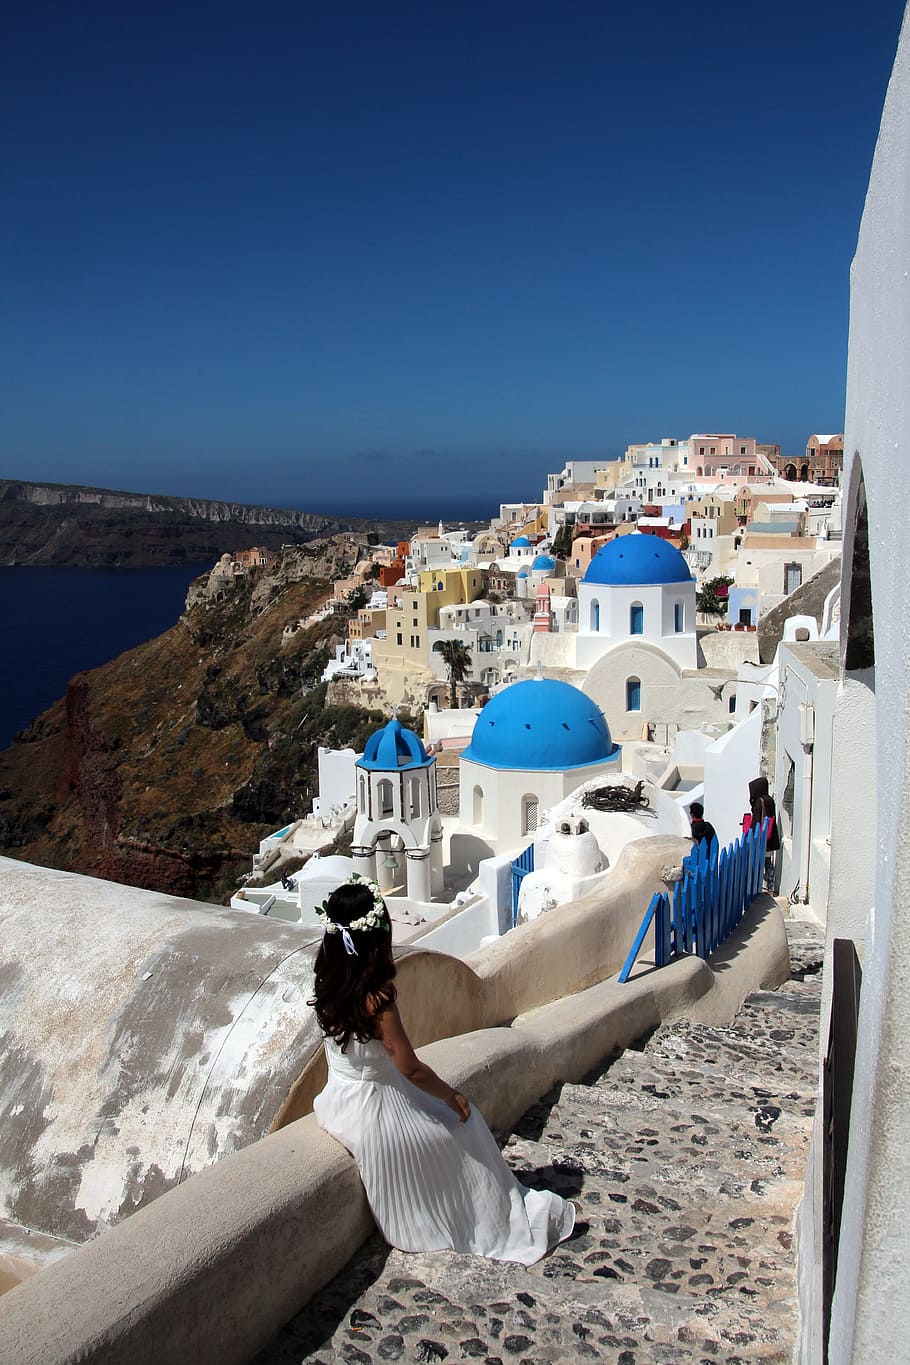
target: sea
<point>57,622</point>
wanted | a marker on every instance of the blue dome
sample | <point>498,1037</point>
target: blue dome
<point>638,558</point>
<point>522,542</point>
<point>522,573</point>
<point>544,562</point>
<point>542,725</point>
<point>394,747</point>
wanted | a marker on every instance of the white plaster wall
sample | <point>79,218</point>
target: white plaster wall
<point>337,782</point>
<point>658,602</point>
<point>504,790</point>
<point>868,1321</point>
<point>730,764</point>
<point>464,932</point>
<point>805,836</point>
<point>553,649</point>
<point>728,648</point>
<point>690,747</point>
<point>668,697</point>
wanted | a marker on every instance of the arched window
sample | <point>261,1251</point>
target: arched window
<point>478,807</point>
<point>528,814</point>
<point>636,619</point>
<point>595,616</point>
<point>633,694</point>
<point>385,798</point>
<point>414,790</point>
<point>363,794</point>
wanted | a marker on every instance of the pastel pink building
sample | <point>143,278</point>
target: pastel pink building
<point>710,453</point>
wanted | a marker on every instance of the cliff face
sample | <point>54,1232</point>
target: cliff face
<point>63,525</point>
<point>166,766</point>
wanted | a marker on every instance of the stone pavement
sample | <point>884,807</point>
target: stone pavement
<point>686,1157</point>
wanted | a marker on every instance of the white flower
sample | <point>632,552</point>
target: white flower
<point>374,917</point>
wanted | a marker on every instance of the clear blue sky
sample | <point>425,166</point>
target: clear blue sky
<point>307,255</point>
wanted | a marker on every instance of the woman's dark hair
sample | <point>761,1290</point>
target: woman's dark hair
<point>352,990</point>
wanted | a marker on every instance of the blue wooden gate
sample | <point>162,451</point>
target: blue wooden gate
<point>708,901</point>
<point>521,866</point>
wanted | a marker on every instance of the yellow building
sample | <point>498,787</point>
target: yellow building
<point>366,623</point>
<point>721,511</point>
<point>448,588</point>
<point>402,658</point>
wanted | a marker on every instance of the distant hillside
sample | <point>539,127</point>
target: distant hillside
<point>165,767</point>
<point>67,525</point>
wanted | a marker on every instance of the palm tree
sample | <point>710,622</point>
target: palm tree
<point>457,659</point>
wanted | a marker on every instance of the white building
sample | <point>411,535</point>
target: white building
<point>854,1254</point>
<point>574,472</point>
<point>532,744</point>
<point>353,659</point>
<point>638,587</point>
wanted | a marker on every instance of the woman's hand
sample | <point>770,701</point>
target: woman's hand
<point>459,1104</point>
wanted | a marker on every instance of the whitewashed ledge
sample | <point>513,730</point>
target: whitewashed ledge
<point>212,1269</point>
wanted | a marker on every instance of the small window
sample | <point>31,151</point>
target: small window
<point>793,577</point>
<point>636,619</point>
<point>595,616</point>
<point>679,614</point>
<point>633,694</point>
<point>398,637</point>
<point>731,703</point>
<point>529,814</point>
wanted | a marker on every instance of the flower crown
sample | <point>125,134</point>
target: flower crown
<point>374,917</point>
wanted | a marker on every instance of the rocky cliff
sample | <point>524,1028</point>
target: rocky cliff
<point>165,767</point>
<point>66,525</point>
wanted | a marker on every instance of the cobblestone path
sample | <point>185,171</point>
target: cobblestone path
<point>686,1155</point>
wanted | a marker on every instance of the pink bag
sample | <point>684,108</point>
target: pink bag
<point>747,823</point>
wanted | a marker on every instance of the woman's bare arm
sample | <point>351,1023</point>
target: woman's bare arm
<point>398,1045</point>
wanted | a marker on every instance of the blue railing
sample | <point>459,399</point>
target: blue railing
<point>708,900</point>
<point>521,866</point>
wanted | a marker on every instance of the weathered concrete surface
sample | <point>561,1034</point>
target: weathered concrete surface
<point>141,1038</point>
<point>209,1271</point>
<point>686,1158</point>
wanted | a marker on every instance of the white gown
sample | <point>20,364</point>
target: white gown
<point>433,1183</point>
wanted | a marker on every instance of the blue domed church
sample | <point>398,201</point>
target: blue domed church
<point>638,589</point>
<point>398,829</point>
<point>533,743</point>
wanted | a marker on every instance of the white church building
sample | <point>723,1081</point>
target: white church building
<point>637,588</point>
<point>532,744</point>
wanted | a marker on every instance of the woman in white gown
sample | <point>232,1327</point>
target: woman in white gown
<point>433,1174</point>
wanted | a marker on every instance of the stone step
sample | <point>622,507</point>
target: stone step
<point>682,1076</point>
<point>441,1308</point>
<point>685,1157</point>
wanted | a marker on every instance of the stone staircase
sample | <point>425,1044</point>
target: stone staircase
<point>686,1156</point>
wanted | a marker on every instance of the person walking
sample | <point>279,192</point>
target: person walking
<point>434,1176</point>
<point>701,828</point>
<point>762,807</point>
